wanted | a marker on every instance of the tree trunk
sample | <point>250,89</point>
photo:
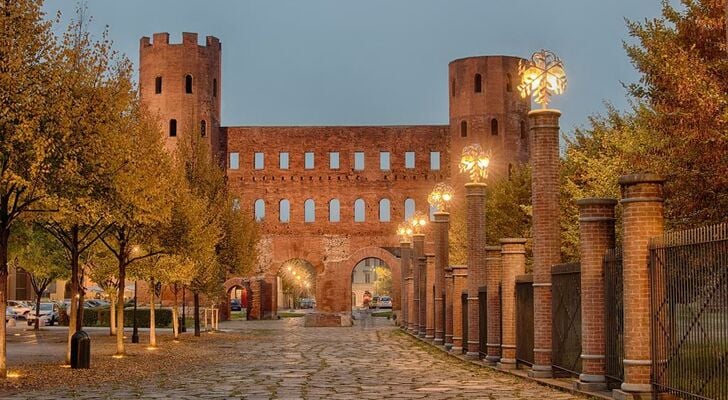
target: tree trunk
<point>175,315</point>
<point>120,309</point>
<point>37,312</point>
<point>4,235</point>
<point>196,297</point>
<point>112,315</point>
<point>152,320</point>
<point>73,312</point>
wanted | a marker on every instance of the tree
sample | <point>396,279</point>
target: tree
<point>38,254</point>
<point>383,284</point>
<point>103,271</point>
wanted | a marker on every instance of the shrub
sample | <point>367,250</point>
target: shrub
<point>100,317</point>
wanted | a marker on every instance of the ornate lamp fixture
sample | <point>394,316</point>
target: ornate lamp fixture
<point>404,231</point>
<point>440,196</point>
<point>542,77</point>
<point>418,222</point>
<point>474,161</point>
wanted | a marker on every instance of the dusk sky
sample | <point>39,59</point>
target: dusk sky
<point>380,62</point>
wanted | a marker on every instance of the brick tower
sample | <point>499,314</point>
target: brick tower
<point>485,108</point>
<point>181,84</point>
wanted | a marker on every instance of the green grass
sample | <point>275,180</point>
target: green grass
<point>384,314</point>
<point>290,314</point>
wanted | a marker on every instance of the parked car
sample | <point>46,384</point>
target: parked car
<point>384,302</point>
<point>307,303</point>
<point>374,303</point>
<point>48,312</point>
<point>235,305</point>
<point>91,303</point>
<point>20,308</point>
<point>9,314</point>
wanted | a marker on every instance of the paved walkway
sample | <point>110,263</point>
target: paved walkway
<point>283,360</point>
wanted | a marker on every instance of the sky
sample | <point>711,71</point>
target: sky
<point>380,62</point>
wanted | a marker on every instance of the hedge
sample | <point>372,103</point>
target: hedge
<point>100,317</point>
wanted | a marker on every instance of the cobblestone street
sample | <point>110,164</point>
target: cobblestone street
<point>281,359</point>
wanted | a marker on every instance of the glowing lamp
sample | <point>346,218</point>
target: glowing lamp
<point>404,231</point>
<point>542,77</point>
<point>474,161</point>
<point>418,221</point>
<point>440,196</point>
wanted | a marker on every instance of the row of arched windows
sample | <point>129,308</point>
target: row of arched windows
<point>309,210</point>
<point>188,85</point>
<point>478,84</point>
<point>493,128</point>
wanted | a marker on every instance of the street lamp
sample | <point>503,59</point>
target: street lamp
<point>542,77</point>
<point>441,195</point>
<point>474,161</point>
<point>418,222</point>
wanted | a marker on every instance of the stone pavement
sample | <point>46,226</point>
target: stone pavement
<point>283,360</point>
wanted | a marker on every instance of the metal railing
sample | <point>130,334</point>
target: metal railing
<point>482,321</point>
<point>524,319</point>
<point>614,316</point>
<point>689,292</point>
<point>464,310</point>
<point>566,317</point>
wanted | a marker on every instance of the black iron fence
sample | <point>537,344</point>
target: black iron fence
<point>464,302</point>
<point>614,317</point>
<point>566,317</point>
<point>524,319</point>
<point>482,321</point>
<point>689,292</point>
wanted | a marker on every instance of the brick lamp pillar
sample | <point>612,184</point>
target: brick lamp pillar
<point>596,234</point>
<point>513,259</point>
<point>475,198</point>
<point>410,302</point>
<point>405,258</point>
<point>642,219</point>
<point>493,282</point>
<point>459,285</point>
<point>418,251</point>
<point>546,230</point>
<point>449,290</point>
<point>430,296</point>
<point>441,226</point>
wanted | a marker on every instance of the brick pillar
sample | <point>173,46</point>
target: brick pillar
<point>642,219</point>
<point>546,231</point>
<point>418,251</point>
<point>449,290</point>
<point>256,299</point>
<point>430,296</point>
<point>493,280</point>
<point>475,198</point>
<point>405,253</point>
<point>441,226</point>
<point>513,259</point>
<point>410,303</point>
<point>596,235</point>
<point>459,285</point>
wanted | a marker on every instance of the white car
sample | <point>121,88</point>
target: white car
<point>384,302</point>
<point>19,308</point>
<point>48,312</point>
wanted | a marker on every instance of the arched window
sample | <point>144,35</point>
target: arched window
<point>309,211</point>
<point>409,208</point>
<point>509,85</point>
<point>463,128</point>
<point>359,210</point>
<point>284,211</point>
<point>203,128</point>
<point>188,84</point>
<point>452,88</point>
<point>384,214</point>
<point>334,210</point>
<point>494,127</point>
<point>523,129</point>
<point>259,210</point>
<point>172,127</point>
<point>214,88</point>
<point>158,85</point>
<point>478,84</point>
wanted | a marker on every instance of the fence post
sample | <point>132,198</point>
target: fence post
<point>475,199</point>
<point>460,284</point>
<point>493,280</point>
<point>418,250</point>
<point>596,234</point>
<point>513,259</point>
<point>642,218</point>
<point>441,226</point>
<point>449,291</point>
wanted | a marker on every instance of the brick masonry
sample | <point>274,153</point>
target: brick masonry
<point>475,198</point>
<point>429,294</point>
<point>405,256</point>
<point>331,246</point>
<point>493,274</point>
<point>513,259</point>
<point>418,252</point>
<point>546,231</point>
<point>440,228</point>
<point>449,309</point>
<point>460,286</point>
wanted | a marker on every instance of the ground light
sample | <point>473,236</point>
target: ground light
<point>14,375</point>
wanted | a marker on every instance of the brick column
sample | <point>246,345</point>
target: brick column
<point>546,231</point>
<point>513,259</point>
<point>459,285</point>
<point>405,253</point>
<point>475,198</point>
<point>441,226</point>
<point>596,235</point>
<point>642,219</point>
<point>449,290</point>
<point>418,251</point>
<point>410,303</point>
<point>493,280</point>
<point>430,296</point>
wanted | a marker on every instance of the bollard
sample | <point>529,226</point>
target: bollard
<point>80,350</point>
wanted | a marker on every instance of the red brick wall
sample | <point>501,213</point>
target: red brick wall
<point>460,285</point>
<point>493,278</point>
<point>513,253</point>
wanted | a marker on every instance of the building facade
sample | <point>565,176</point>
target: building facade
<point>333,195</point>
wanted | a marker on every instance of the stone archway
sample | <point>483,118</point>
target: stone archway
<point>244,284</point>
<point>296,284</point>
<point>387,258</point>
